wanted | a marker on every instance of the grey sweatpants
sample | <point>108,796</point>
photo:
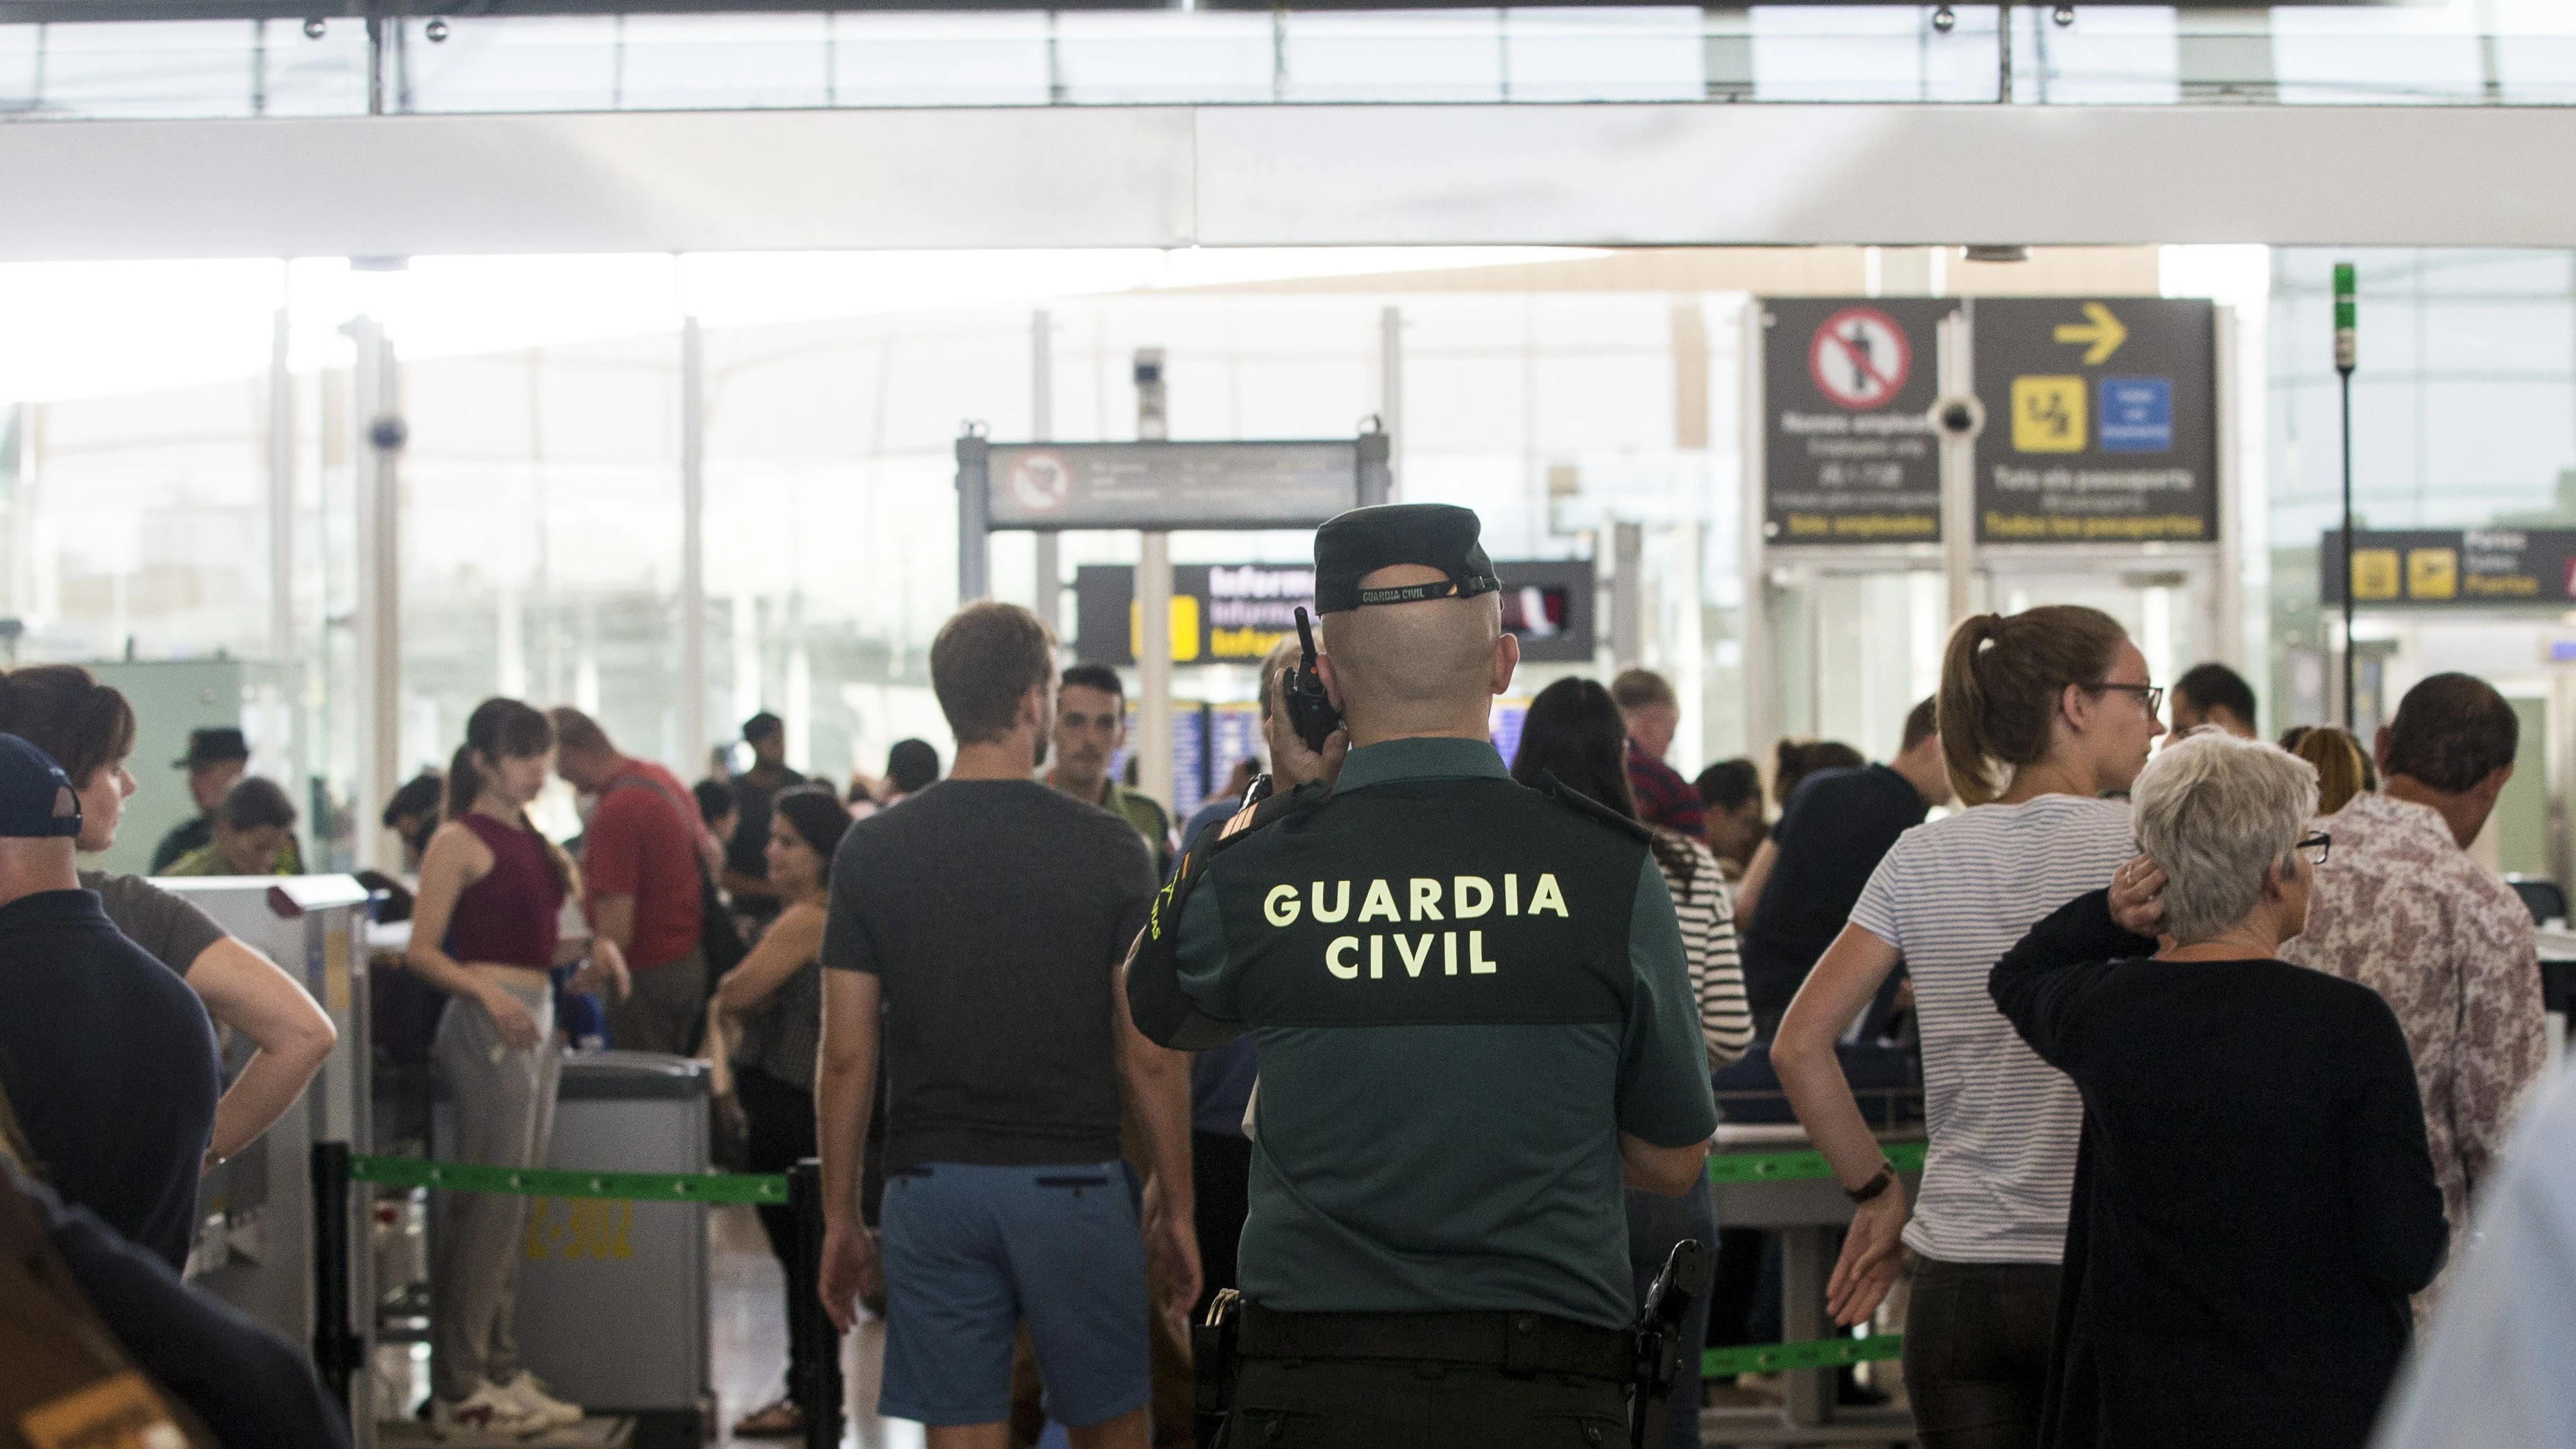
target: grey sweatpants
<point>502,1102</point>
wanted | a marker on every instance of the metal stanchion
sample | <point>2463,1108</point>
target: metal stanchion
<point>337,1349</point>
<point>817,1386</point>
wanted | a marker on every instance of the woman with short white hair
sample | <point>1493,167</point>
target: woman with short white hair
<point>2253,1197</point>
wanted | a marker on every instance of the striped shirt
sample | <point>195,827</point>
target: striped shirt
<point>1707,916</point>
<point>1953,897</point>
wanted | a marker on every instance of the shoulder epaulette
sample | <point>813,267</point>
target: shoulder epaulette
<point>1241,825</point>
<point>1582,804</point>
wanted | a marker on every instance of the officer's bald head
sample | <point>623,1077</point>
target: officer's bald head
<point>1430,667</point>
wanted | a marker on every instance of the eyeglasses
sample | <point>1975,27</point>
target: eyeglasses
<point>2315,846</point>
<point>2151,695</point>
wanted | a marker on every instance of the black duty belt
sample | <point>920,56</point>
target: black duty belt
<point>1516,1343</point>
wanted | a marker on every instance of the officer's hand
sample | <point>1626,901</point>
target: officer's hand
<point>1869,1261</point>
<point>851,1267</point>
<point>1292,764</point>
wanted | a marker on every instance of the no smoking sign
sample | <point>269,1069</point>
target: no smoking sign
<point>1860,358</point>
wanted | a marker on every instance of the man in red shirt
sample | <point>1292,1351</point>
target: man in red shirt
<point>640,857</point>
<point>1647,705</point>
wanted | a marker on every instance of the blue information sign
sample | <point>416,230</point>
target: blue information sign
<point>2137,415</point>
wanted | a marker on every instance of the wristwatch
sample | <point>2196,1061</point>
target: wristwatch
<point>1879,1182</point>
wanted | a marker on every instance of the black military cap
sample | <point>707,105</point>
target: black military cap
<point>1351,546</point>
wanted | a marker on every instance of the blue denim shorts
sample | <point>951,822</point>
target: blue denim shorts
<point>972,1251</point>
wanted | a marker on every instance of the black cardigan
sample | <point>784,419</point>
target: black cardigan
<point>2253,1198</point>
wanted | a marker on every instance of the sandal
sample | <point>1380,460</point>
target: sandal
<point>780,1419</point>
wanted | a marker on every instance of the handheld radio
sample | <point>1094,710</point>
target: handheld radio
<point>1310,706</point>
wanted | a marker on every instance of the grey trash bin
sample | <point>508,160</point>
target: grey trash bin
<point>613,1295</point>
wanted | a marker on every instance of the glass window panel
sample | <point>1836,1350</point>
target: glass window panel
<point>708,62</point>
<point>1147,58</point>
<point>1642,54</point>
<point>1871,53</point>
<point>553,63</point>
<point>959,59</point>
<point>2113,55</point>
<point>154,69</point>
<point>303,76</point>
<point>2346,56</point>
<point>2535,50</point>
<point>1421,55</point>
<point>149,535</point>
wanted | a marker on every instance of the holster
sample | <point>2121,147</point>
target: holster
<point>1656,1342</point>
<point>1214,1341</point>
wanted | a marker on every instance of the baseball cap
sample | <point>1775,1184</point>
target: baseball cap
<point>37,801</point>
<point>1352,545</point>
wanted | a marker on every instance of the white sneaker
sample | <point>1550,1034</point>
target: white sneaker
<point>486,1411</point>
<point>549,1411</point>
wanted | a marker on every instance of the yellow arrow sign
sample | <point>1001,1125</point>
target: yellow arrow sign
<point>2101,329</point>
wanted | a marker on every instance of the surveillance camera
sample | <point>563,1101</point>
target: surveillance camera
<point>388,434</point>
<point>1959,417</point>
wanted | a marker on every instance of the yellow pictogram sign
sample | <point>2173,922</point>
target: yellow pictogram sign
<point>2374,574</point>
<point>2048,414</point>
<point>2432,573</point>
<point>2099,328</point>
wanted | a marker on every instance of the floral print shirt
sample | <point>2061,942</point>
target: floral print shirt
<point>2400,908</point>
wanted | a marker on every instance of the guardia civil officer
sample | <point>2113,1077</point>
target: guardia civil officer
<point>1474,1024</point>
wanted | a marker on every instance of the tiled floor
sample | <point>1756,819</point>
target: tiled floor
<point>750,1338</point>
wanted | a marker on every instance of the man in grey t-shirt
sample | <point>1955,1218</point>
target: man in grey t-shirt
<point>974,940</point>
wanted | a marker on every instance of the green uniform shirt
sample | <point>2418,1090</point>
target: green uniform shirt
<point>1460,992</point>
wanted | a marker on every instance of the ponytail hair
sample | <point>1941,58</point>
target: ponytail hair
<point>506,729</point>
<point>2000,684</point>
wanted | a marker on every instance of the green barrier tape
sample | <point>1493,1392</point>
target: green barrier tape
<point>548,1182</point>
<point>1772,1358</point>
<point>1793,1166</point>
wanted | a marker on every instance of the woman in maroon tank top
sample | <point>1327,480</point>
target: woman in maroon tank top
<point>483,930</point>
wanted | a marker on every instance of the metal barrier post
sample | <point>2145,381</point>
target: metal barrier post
<point>817,1388</point>
<point>337,1349</point>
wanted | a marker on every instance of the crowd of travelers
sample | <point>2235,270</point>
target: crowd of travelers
<point>2220,1043</point>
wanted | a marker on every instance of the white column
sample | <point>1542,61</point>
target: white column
<point>694,738</point>
<point>1153,734</point>
<point>1046,584</point>
<point>277,698</point>
<point>376,412</point>
<point>1390,362</point>
<point>1760,673</point>
<point>1958,471</point>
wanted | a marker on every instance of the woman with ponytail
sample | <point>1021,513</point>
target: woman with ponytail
<point>2042,716</point>
<point>483,931</point>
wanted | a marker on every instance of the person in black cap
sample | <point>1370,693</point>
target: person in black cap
<point>217,758</point>
<point>1475,1025</point>
<point>105,1052</point>
<point>746,872</point>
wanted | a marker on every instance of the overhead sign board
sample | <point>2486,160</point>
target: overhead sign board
<point>2477,568</point>
<point>1235,613</point>
<point>1165,486</point>
<point>2101,420</point>
<point>1849,456</point>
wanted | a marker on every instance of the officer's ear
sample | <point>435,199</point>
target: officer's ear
<point>1332,684</point>
<point>1507,661</point>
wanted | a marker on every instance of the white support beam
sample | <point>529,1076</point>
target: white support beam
<point>1070,176</point>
